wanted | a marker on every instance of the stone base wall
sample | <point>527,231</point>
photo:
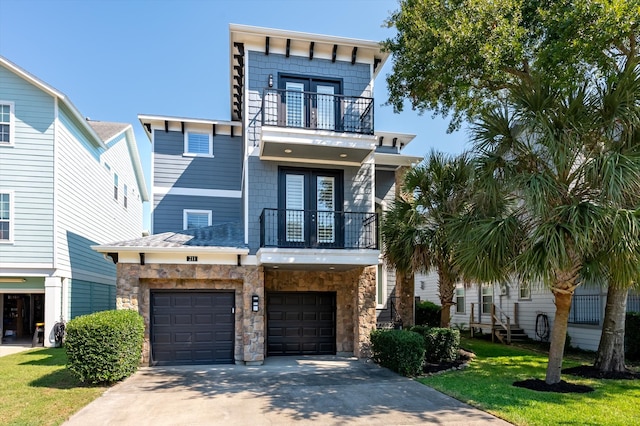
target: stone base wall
<point>135,282</point>
<point>355,301</point>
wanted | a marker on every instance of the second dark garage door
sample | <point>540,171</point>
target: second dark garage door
<point>192,327</point>
<point>301,323</point>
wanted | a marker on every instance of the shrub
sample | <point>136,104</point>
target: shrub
<point>104,347</point>
<point>428,313</point>
<point>399,350</point>
<point>441,344</point>
<point>632,336</point>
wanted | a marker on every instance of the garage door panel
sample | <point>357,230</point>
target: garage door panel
<point>192,327</point>
<point>300,323</point>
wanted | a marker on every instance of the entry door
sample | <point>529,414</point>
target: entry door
<point>325,105</point>
<point>309,202</point>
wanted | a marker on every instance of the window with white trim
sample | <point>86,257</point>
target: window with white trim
<point>487,299</point>
<point>196,218</point>
<point>198,143</point>
<point>125,192</point>
<point>524,292</point>
<point>115,186</point>
<point>7,127</point>
<point>6,216</point>
<point>459,295</point>
<point>381,286</point>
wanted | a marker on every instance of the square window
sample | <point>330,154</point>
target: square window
<point>487,299</point>
<point>196,218</point>
<point>524,291</point>
<point>7,129</point>
<point>198,143</point>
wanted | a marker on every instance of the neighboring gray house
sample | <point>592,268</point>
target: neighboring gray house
<point>530,308</point>
<point>65,183</point>
<point>266,226</point>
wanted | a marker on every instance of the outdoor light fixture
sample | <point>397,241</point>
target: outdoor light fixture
<point>255,303</point>
<point>287,151</point>
<point>270,80</point>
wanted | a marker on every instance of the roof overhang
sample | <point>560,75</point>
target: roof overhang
<point>170,122</point>
<point>56,94</point>
<point>316,259</point>
<point>395,160</point>
<point>316,146</point>
<point>182,250</point>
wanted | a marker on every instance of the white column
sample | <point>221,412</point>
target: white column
<point>52,307</point>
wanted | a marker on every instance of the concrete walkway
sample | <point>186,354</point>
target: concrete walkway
<point>13,348</point>
<point>286,390</point>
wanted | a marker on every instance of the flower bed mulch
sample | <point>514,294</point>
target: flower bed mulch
<point>562,387</point>
<point>590,372</point>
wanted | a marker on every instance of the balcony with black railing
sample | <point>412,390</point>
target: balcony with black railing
<point>317,111</point>
<point>313,229</point>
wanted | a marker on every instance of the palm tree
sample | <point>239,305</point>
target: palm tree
<point>413,230</point>
<point>549,185</point>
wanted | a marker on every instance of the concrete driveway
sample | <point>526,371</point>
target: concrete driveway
<point>285,390</point>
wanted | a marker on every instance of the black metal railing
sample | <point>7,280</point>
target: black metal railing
<point>318,111</point>
<point>585,309</point>
<point>318,229</point>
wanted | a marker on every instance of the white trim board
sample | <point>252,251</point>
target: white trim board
<point>196,192</point>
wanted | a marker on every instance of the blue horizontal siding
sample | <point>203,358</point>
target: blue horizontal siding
<point>168,210</point>
<point>172,169</point>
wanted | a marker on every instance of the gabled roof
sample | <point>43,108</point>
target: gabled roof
<point>107,130</point>
<point>56,94</point>
<point>101,133</point>
<point>225,237</point>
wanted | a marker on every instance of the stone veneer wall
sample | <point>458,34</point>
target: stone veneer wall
<point>135,281</point>
<point>355,301</point>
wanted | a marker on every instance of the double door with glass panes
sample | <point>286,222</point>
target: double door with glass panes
<point>310,206</point>
<point>310,103</point>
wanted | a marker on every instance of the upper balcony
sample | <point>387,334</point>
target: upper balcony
<point>316,126</point>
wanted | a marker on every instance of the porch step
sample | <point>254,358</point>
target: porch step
<point>517,333</point>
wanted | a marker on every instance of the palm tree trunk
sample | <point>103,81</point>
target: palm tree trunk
<point>558,337</point>
<point>610,355</point>
<point>446,289</point>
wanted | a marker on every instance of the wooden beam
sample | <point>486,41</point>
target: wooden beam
<point>395,141</point>
<point>376,62</point>
<point>353,55</point>
<point>266,47</point>
<point>334,53</point>
<point>182,126</point>
<point>231,131</point>
<point>311,49</point>
<point>166,126</point>
<point>213,129</point>
<point>288,47</point>
<point>380,140</point>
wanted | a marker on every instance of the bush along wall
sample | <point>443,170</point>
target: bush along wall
<point>428,313</point>
<point>399,350</point>
<point>441,344</point>
<point>104,347</point>
<point>632,336</point>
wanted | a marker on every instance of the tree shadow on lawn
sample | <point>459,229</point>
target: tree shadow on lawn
<point>45,357</point>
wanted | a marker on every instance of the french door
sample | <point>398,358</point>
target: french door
<point>310,204</point>
<point>310,103</point>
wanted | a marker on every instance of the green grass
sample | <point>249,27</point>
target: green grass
<point>37,389</point>
<point>487,384</point>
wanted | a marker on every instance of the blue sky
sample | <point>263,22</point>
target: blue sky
<point>116,59</point>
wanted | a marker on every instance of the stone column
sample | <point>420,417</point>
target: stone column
<point>365,312</point>
<point>52,307</point>
<point>253,323</point>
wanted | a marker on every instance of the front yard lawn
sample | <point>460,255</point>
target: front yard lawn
<point>37,389</point>
<point>487,384</point>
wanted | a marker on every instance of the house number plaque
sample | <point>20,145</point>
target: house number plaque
<point>192,258</point>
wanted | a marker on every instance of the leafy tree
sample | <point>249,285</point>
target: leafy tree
<point>452,57</point>
<point>413,230</point>
<point>552,182</point>
<point>456,57</point>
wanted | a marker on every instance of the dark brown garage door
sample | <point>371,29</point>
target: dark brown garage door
<point>192,327</point>
<point>301,323</point>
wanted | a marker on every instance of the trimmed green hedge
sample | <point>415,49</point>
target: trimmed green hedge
<point>428,313</point>
<point>104,347</point>
<point>399,350</point>
<point>632,336</point>
<point>441,344</point>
